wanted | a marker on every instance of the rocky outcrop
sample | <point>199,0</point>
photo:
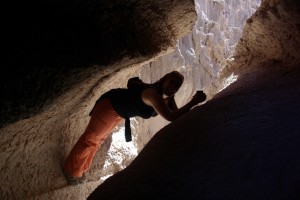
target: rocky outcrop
<point>52,46</point>
<point>45,104</point>
<point>201,55</point>
<point>241,144</point>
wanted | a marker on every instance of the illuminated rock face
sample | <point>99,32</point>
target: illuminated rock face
<point>61,39</point>
<point>244,142</point>
<point>241,144</point>
<point>201,55</point>
<point>49,45</point>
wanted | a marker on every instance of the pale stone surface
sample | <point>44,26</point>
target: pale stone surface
<point>33,150</point>
<point>244,142</point>
<point>201,55</point>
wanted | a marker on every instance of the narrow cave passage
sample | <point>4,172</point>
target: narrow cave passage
<point>41,142</point>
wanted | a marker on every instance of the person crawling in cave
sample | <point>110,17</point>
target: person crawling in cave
<point>138,99</point>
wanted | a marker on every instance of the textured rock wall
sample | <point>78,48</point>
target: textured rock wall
<point>33,149</point>
<point>201,55</point>
<point>47,43</point>
<point>241,144</point>
<point>273,37</point>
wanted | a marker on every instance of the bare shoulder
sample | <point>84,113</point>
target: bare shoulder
<point>149,95</point>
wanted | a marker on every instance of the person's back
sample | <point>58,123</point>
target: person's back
<point>128,102</point>
<point>138,99</point>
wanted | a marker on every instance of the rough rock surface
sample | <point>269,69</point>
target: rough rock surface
<point>201,55</point>
<point>57,95</point>
<point>242,144</point>
<point>50,46</point>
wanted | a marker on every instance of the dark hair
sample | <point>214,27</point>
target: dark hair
<point>173,74</point>
<point>137,82</point>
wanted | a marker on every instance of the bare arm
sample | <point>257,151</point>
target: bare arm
<point>170,102</point>
<point>152,98</point>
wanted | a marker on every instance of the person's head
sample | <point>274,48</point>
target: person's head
<point>171,82</point>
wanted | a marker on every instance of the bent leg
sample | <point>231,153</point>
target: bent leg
<point>100,140</point>
<point>103,120</point>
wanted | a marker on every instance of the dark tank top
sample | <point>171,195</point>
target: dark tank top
<point>128,102</point>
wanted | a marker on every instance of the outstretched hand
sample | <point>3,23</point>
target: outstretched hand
<point>200,96</point>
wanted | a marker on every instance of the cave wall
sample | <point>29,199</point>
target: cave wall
<point>92,54</point>
<point>200,56</point>
<point>33,149</point>
<point>47,43</point>
<point>241,144</point>
<point>273,37</point>
<point>209,54</point>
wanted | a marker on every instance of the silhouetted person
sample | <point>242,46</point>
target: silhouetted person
<point>138,99</point>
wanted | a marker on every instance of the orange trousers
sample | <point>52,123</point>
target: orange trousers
<point>103,120</point>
